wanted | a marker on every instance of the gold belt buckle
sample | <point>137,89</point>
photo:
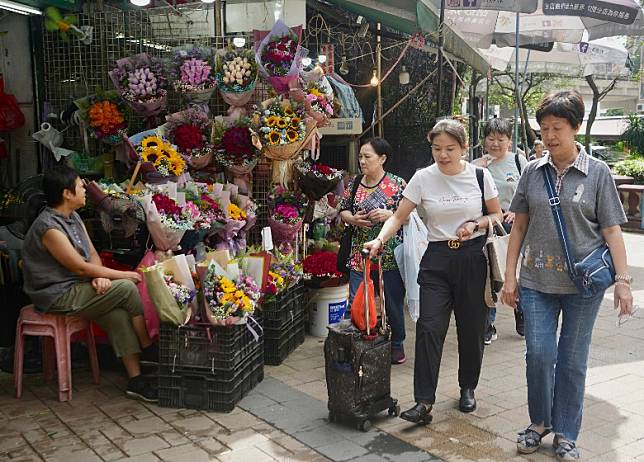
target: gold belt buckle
<point>453,244</point>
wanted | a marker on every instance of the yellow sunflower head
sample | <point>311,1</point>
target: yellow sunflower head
<point>150,154</point>
<point>151,141</point>
<point>291,135</point>
<point>281,122</point>
<point>271,121</point>
<point>274,137</point>
<point>288,111</point>
<point>295,122</point>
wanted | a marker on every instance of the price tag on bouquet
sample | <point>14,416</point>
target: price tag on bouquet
<point>267,239</point>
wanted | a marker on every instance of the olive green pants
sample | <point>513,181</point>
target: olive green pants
<point>112,311</point>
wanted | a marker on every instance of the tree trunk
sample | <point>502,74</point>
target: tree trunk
<point>593,110</point>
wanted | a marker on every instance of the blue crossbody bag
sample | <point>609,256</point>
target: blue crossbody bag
<point>595,272</point>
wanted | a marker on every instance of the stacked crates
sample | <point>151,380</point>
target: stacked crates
<point>284,324</point>
<point>208,368</point>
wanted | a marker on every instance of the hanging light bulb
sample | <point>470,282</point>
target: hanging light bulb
<point>239,42</point>
<point>344,66</point>
<point>321,59</point>
<point>306,61</point>
<point>140,2</point>
<point>403,77</point>
<point>374,79</point>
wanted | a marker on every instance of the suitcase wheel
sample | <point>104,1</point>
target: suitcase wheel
<point>364,425</point>
<point>394,411</point>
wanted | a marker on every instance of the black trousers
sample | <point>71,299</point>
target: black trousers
<point>450,279</point>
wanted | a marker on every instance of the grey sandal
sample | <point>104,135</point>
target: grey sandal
<point>565,449</point>
<point>529,440</point>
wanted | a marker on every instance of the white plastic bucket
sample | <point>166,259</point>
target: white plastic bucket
<point>328,306</point>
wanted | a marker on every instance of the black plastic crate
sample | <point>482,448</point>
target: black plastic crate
<point>204,392</point>
<point>206,348</point>
<point>277,350</point>
<point>279,313</point>
<point>277,333</point>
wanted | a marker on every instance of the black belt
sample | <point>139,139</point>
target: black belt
<point>455,244</point>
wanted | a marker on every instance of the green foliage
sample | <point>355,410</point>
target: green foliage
<point>634,134</point>
<point>631,167</point>
<point>617,111</point>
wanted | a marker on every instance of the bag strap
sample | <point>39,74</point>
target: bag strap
<point>560,224</point>
<point>354,189</point>
<point>517,162</point>
<point>479,179</point>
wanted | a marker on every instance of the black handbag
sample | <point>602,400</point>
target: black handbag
<point>347,236</point>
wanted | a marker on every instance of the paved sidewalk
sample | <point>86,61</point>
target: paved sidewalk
<point>284,418</point>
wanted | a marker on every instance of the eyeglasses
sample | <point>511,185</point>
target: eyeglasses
<point>624,318</point>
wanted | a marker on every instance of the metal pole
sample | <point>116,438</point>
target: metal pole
<point>515,141</point>
<point>441,39</point>
<point>379,87</point>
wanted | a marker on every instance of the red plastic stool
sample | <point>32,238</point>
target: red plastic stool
<point>58,329</point>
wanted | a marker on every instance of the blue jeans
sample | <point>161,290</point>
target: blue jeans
<point>394,300</point>
<point>556,370</point>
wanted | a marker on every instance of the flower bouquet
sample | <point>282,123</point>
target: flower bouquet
<point>279,56</point>
<point>228,301</point>
<point>167,221</point>
<point>320,269</point>
<point>141,82</point>
<point>192,71</point>
<point>235,151</point>
<point>285,217</point>
<point>236,75</point>
<point>235,222</point>
<point>189,131</point>
<point>104,114</point>
<point>316,180</point>
<point>250,209</point>
<point>160,160</point>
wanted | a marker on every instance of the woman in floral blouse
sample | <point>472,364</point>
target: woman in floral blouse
<point>375,200</point>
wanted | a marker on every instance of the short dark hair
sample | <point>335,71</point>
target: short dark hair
<point>380,145</point>
<point>565,104</point>
<point>451,127</point>
<point>56,181</point>
<point>497,125</point>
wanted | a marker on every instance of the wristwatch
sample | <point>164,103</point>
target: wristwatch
<point>627,278</point>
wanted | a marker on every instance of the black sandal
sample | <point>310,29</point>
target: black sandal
<point>419,414</point>
<point>529,440</point>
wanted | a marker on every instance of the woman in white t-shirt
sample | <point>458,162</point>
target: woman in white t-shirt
<point>453,270</point>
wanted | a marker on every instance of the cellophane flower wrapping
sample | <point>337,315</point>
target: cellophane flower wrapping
<point>141,81</point>
<point>171,288</point>
<point>235,222</point>
<point>104,114</point>
<point>160,160</point>
<point>316,180</point>
<point>235,151</point>
<point>279,57</point>
<point>286,209</point>
<point>212,217</point>
<point>228,300</point>
<point>192,72</point>
<point>190,132</point>
<point>166,220</point>
<point>236,75</point>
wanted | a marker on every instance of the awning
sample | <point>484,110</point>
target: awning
<point>409,16</point>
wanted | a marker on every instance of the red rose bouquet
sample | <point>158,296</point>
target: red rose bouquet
<point>235,151</point>
<point>316,180</point>
<point>189,131</point>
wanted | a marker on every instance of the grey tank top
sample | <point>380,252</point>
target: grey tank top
<point>46,279</point>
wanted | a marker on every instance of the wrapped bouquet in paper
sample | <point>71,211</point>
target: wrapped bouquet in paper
<point>229,299</point>
<point>160,161</point>
<point>167,221</point>
<point>316,180</point>
<point>235,151</point>
<point>286,210</point>
<point>212,217</point>
<point>279,56</point>
<point>190,131</point>
<point>316,95</point>
<point>236,75</point>
<point>282,131</point>
<point>104,115</point>
<point>141,81</point>
<point>320,269</point>
<point>193,74</point>
<point>171,289</point>
<point>249,208</point>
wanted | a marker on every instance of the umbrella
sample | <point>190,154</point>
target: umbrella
<point>597,57</point>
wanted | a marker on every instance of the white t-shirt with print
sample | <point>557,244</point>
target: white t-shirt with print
<point>448,200</point>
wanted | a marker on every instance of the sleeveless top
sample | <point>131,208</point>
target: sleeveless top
<point>45,278</point>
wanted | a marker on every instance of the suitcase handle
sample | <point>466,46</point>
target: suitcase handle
<point>384,328</point>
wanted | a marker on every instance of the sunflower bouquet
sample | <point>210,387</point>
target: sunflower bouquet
<point>229,300</point>
<point>189,131</point>
<point>140,79</point>
<point>192,73</point>
<point>279,56</point>
<point>236,75</point>
<point>235,151</point>
<point>104,114</point>
<point>160,160</point>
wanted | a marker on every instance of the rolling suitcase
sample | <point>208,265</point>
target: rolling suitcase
<point>358,368</point>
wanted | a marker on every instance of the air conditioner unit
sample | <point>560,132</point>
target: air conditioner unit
<point>640,108</point>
